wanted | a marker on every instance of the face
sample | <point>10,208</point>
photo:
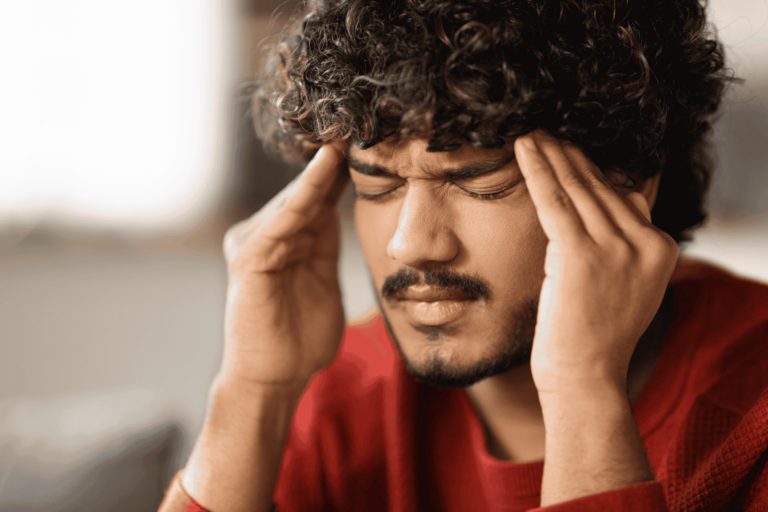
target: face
<point>456,253</point>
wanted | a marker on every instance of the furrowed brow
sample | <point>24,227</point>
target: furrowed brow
<point>479,168</point>
<point>368,169</point>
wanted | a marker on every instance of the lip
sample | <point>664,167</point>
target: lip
<point>428,294</point>
<point>436,312</point>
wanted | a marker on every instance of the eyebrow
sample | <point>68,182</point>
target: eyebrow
<point>467,171</point>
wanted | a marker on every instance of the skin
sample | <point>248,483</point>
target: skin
<point>427,221</point>
<point>284,319</point>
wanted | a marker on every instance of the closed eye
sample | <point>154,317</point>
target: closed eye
<point>488,197</point>
<point>376,196</point>
<point>491,186</point>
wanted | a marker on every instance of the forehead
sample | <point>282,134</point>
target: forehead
<point>411,155</point>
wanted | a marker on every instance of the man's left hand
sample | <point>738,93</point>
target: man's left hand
<point>606,270</point>
<point>607,267</point>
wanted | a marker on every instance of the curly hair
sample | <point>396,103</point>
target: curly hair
<point>634,83</point>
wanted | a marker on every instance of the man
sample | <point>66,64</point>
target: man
<point>539,345</point>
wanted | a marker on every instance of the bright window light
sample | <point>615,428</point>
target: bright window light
<point>742,26</point>
<point>108,110</point>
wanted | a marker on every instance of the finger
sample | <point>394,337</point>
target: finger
<point>328,237</point>
<point>555,209</point>
<point>314,183</point>
<point>340,185</point>
<point>304,202</point>
<point>332,196</point>
<point>274,255</point>
<point>575,174</point>
<point>628,209</point>
<point>316,216</point>
<point>238,234</point>
<point>318,212</point>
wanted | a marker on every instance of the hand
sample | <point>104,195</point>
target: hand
<point>284,318</point>
<point>606,268</point>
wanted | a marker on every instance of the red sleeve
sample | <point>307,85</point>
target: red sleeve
<point>753,496</point>
<point>642,497</point>
<point>177,500</point>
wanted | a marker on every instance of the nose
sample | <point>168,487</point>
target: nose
<point>424,233</point>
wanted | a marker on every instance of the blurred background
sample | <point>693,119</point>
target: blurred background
<point>125,152</point>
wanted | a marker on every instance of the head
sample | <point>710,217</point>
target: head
<point>430,96</point>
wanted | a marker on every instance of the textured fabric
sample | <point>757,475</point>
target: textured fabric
<point>366,437</point>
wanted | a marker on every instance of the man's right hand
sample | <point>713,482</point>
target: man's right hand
<point>284,322</point>
<point>284,317</point>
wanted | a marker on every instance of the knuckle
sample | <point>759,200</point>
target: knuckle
<point>572,178</point>
<point>275,258</point>
<point>231,242</point>
<point>657,245</point>
<point>598,181</point>
<point>587,257</point>
<point>674,249</point>
<point>661,249</point>
<point>560,199</point>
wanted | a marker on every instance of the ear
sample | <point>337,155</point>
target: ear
<point>650,189</point>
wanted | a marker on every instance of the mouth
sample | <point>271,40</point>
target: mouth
<point>434,307</point>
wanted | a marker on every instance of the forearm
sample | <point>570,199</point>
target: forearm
<point>592,444</point>
<point>236,460</point>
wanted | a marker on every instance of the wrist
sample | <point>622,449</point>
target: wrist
<point>244,379</point>
<point>593,380</point>
<point>236,459</point>
<point>254,396</point>
<point>592,443</point>
<point>584,398</point>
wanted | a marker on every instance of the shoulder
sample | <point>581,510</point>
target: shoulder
<point>716,374</point>
<point>724,320</point>
<point>352,389</point>
<point>366,358</point>
<point>725,310</point>
<point>334,454</point>
<point>722,294</point>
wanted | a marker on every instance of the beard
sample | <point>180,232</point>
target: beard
<point>515,332</point>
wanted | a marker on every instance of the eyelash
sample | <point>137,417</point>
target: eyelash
<point>483,197</point>
<point>487,197</point>
<point>375,197</point>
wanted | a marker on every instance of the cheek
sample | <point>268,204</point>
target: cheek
<point>503,243</point>
<point>506,245</point>
<point>375,226</point>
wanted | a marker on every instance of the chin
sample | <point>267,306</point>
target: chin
<point>441,356</point>
<point>446,373</point>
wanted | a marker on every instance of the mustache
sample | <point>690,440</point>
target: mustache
<point>442,277</point>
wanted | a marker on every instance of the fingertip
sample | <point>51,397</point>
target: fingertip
<point>323,164</point>
<point>339,145</point>
<point>319,154</point>
<point>527,141</point>
<point>528,155</point>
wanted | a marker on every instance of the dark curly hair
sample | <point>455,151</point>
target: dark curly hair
<point>635,83</point>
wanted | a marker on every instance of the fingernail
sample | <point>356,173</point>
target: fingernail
<point>530,144</point>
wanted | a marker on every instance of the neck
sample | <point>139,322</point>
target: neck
<point>508,404</point>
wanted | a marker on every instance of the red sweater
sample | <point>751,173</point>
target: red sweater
<point>366,437</point>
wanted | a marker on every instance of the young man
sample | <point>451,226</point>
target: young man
<point>539,343</point>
